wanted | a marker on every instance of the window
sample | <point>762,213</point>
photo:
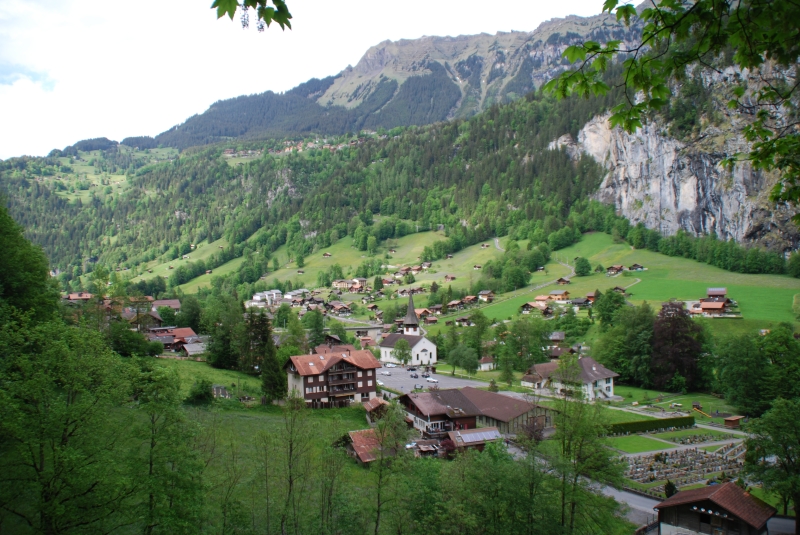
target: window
<point>608,389</point>
<point>594,384</point>
<point>359,384</point>
<point>608,381</point>
<point>359,373</point>
<point>311,379</point>
<point>369,383</point>
<point>308,390</point>
<point>369,373</point>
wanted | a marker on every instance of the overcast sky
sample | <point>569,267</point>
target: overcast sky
<point>76,69</point>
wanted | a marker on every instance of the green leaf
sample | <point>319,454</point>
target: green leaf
<point>575,53</point>
<point>225,7</point>
<point>609,5</point>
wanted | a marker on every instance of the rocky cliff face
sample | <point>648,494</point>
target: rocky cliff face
<point>669,185</point>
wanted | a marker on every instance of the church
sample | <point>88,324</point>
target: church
<point>423,351</point>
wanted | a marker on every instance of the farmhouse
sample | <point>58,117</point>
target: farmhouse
<point>559,296</point>
<point>636,267</point>
<point>486,364</point>
<point>581,302</point>
<point>486,296</point>
<point>529,307</point>
<point>615,270</point>
<point>333,379</point>
<point>597,381</point>
<point>719,509</point>
<point>717,292</point>
<point>423,351</point>
<point>174,304</point>
<point>591,296</point>
<point>542,298</point>
<point>79,297</point>
<point>562,281</point>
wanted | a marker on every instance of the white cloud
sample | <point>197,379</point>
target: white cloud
<point>75,69</point>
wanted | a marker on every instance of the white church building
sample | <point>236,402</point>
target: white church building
<point>423,351</point>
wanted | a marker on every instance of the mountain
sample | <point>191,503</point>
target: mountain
<point>402,83</point>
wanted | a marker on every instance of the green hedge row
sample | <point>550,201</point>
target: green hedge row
<point>650,425</point>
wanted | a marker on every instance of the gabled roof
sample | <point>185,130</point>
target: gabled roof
<point>365,443</point>
<point>474,437</point>
<point>374,403</point>
<point>171,303</point>
<point>317,364</point>
<point>590,370</point>
<point>324,349</point>
<point>728,496</point>
<point>392,339</point>
<point>452,403</point>
<point>716,292</point>
<point>559,292</point>
<point>557,336</point>
<point>713,305</point>
<point>497,406</point>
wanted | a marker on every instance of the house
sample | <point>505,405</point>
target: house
<point>141,319</point>
<point>733,422</point>
<point>542,298</point>
<point>416,269</point>
<point>79,297</point>
<point>719,509</point>
<point>470,300</point>
<point>581,302</point>
<point>591,296</point>
<point>426,265</point>
<point>615,270</point>
<point>558,352</point>
<point>464,321</point>
<point>448,278</point>
<point>505,413</point>
<point>341,284</point>
<point>375,407</point>
<point>474,438</point>
<point>333,379</point>
<point>455,304</point>
<point>366,341</point>
<point>194,351</point>
<point>422,313</point>
<point>717,292</point>
<point>556,338</point>
<point>713,308</point>
<point>636,267</point>
<point>423,351</point>
<point>180,336</point>
<point>596,381</point>
<point>364,445</point>
<point>332,348</point>
<point>562,281</point>
<point>529,307</point>
<point>486,364</point>
<point>486,296</point>
<point>431,320</point>
<point>387,282</point>
<point>484,246</point>
<point>559,296</point>
<point>436,413</point>
<point>436,309</point>
<point>326,255</point>
<point>618,289</point>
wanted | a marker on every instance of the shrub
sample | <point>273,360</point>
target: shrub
<point>651,425</point>
<point>201,393</point>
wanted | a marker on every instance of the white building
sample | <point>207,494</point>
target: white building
<point>423,351</point>
<point>597,381</point>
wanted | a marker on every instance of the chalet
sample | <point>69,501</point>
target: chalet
<point>436,413</point>
<point>399,275</point>
<point>416,269</point>
<point>470,300</point>
<point>376,407</point>
<point>367,299</point>
<point>422,313</point>
<point>448,256</point>
<point>326,255</point>
<point>719,509</point>
<point>364,445</point>
<point>717,292</point>
<point>529,307</point>
<point>341,309</point>
<point>477,267</point>
<point>387,282</point>
<point>448,278</point>
<point>387,328</point>
<point>431,320</point>
<point>709,308</point>
<point>141,319</point>
<point>372,307</point>
<point>79,297</point>
<point>636,267</point>
<point>562,281</point>
<point>615,270</point>
<point>595,380</point>
<point>591,296</point>
<point>505,413</point>
<point>581,302</point>
<point>405,270</point>
<point>366,342</point>
<point>180,336</point>
<point>341,284</point>
<point>423,351</point>
<point>426,265</point>
<point>542,298</point>
<point>559,296</point>
<point>436,309</point>
<point>455,304</point>
<point>486,364</point>
<point>474,438</point>
<point>556,338</point>
<point>333,379</point>
<point>487,296</point>
<point>618,289</point>
<point>194,351</point>
<point>558,352</point>
<point>464,321</point>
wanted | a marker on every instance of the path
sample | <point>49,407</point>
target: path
<point>497,245</point>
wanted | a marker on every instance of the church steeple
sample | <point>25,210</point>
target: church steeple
<point>411,323</point>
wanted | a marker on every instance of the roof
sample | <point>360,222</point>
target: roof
<point>374,403</point>
<point>486,292</point>
<point>497,406</point>
<point>559,292</point>
<point>194,349</point>
<point>487,360</point>
<point>171,303</point>
<point>557,335</point>
<point>716,291</point>
<point>317,364</point>
<point>590,370</point>
<point>324,349</point>
<point>392,339</point>
<point>365,443</point>
<point>542,298</point>
<point>452,403</point>
<point>411,316</point>
<point>714,305</point>
<point>728,496</point>
<point>474,437</point>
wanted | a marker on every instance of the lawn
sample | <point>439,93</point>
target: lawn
<point>202,251</point>
<point>647,396</point>
<point>718,435</point>
<point>636,444</point>
<point>191,371</point>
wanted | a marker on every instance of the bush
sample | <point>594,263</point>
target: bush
<point>201,393</point>
<point>651,425</point>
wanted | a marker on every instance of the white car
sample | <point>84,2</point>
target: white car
<point>380,383</point>
<point>432,380</point>
<point>386,373</point>
<point>390,365</point>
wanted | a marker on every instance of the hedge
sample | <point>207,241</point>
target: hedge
<point>650,425</point>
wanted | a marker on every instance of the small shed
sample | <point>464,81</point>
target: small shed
<point>733,422</point>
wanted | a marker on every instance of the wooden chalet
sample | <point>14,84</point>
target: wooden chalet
<point>591,296</point>
<point>487,296</point>
<point>333,379</point>
<point>529,307</point>
<point>615,270</point>
<point>436,413</point>
<point>431,320</point>
<point>559,295</point>
<point>562,281</point>
<point>636,267</point>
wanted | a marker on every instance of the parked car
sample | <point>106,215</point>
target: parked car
<point>380,383</point>
<point>418,387</point>
<point>390,365</point>
<point>412,368</point>
<point>386,373</point>
<point>432,380</point>
<point>426,374</point>
<point>414,376</point>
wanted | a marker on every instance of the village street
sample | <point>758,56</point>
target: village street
<point>402,381</point>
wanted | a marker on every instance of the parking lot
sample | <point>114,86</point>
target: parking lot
<point>402,381</point>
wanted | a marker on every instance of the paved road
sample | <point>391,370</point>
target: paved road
<point>401,381</point>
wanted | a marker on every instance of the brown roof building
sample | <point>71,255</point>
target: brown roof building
<point>719,509</point>
<point>474,438</point>
<point>596,381</point>
<point>333,379</point>
<point>435,413</point>
<point>506,413</point>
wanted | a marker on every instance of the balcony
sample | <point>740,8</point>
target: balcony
<point>341,379</point>
<point>344,389</point>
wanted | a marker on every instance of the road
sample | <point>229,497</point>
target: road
<point>401,381</point>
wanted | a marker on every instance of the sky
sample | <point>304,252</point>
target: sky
<point>78,69</point>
